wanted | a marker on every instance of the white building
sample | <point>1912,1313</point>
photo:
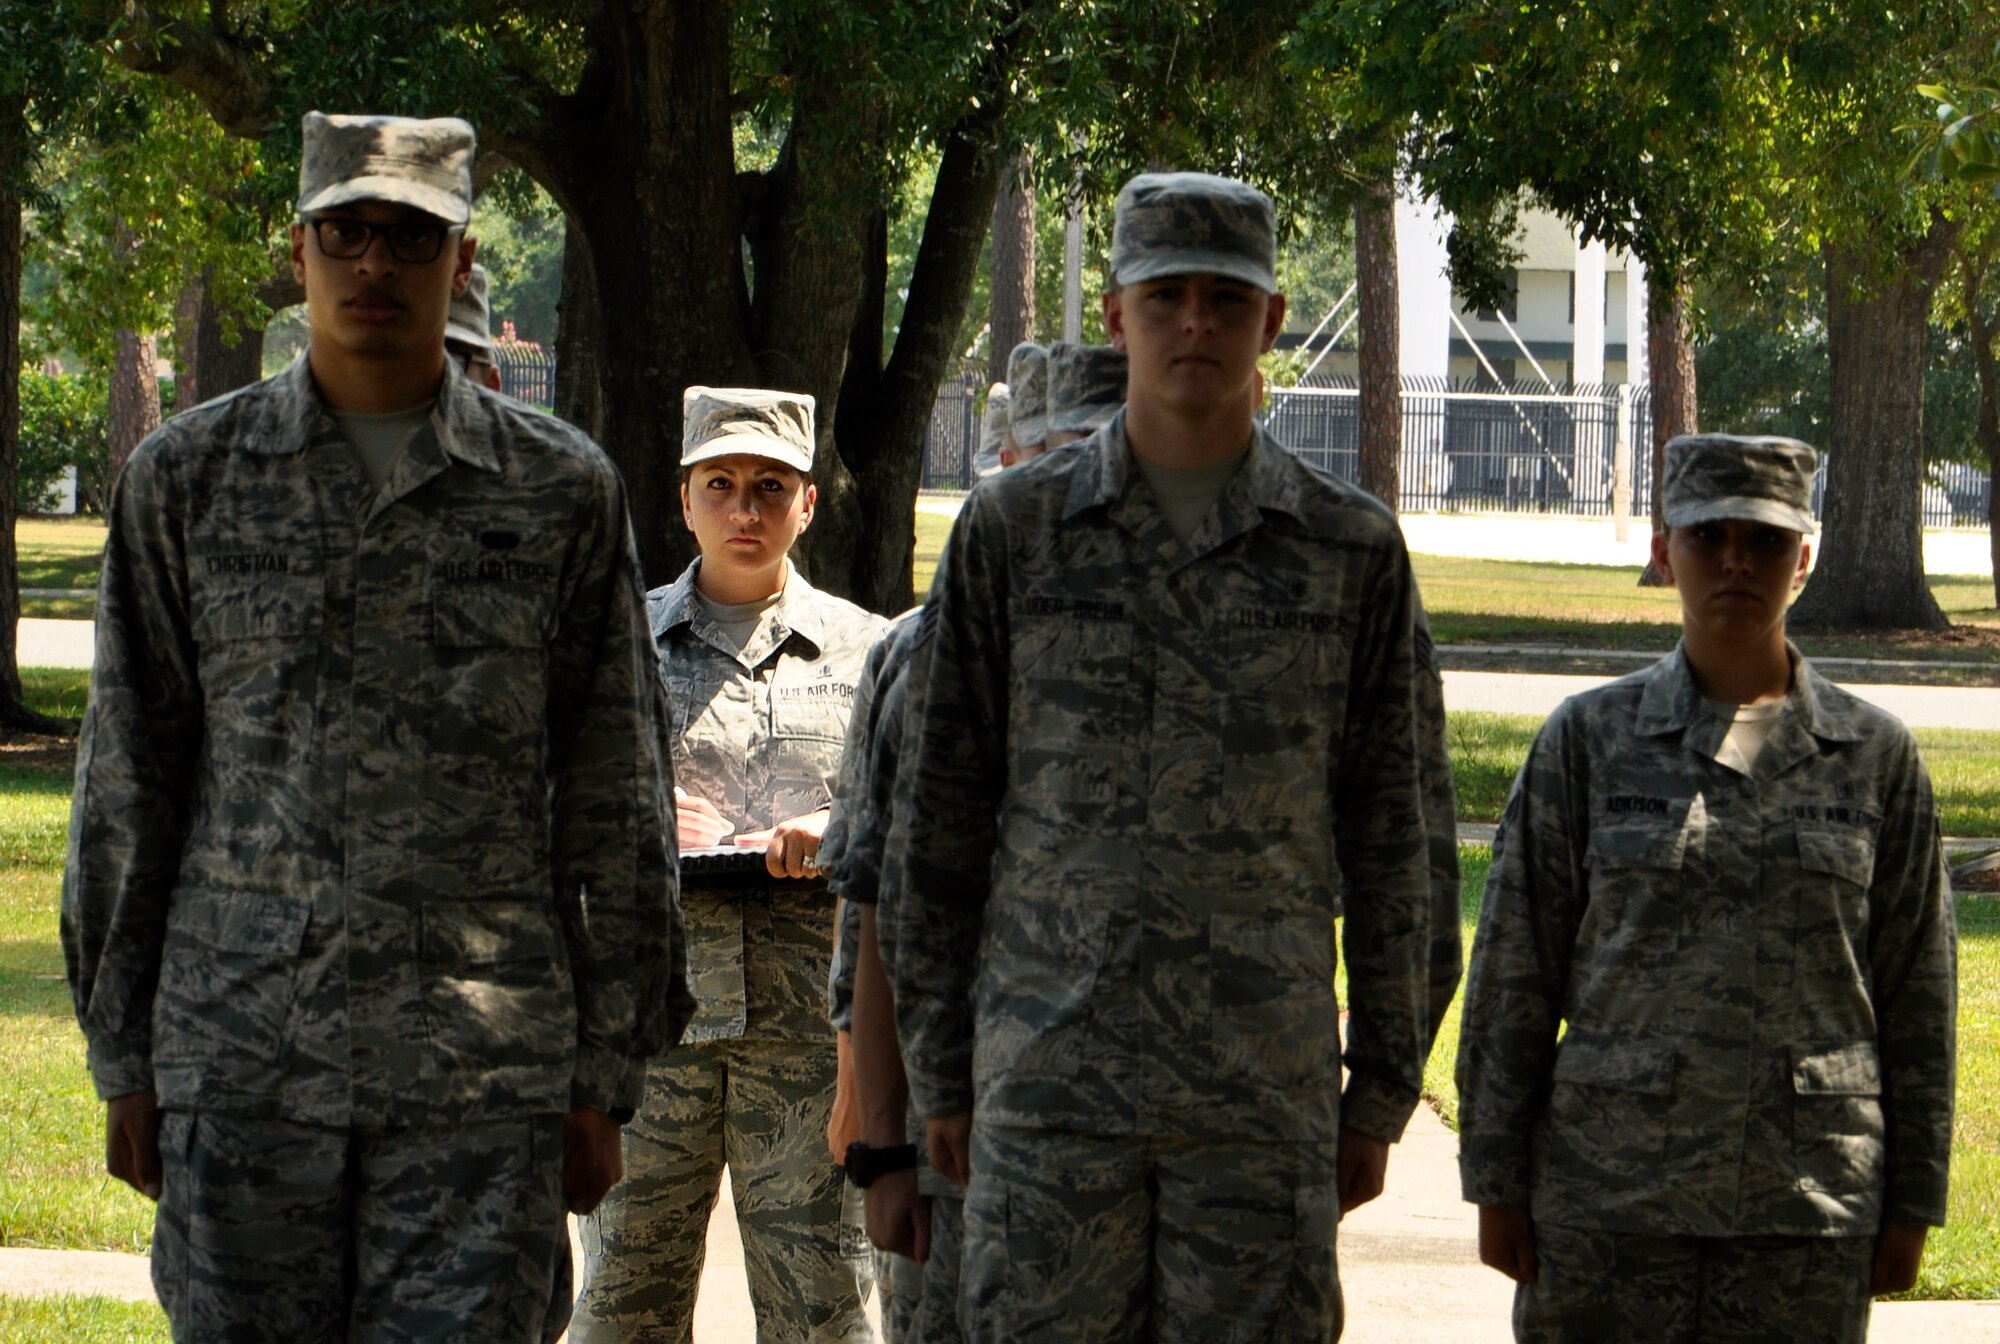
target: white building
<point>1577,315</point>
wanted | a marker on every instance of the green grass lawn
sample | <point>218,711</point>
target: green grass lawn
<point>59,553</point>
<point>81,1320</point>
<point>1501,602</point>
<point>1602,607</point>
<point>1962,1259</point>
<point>1487,751</point>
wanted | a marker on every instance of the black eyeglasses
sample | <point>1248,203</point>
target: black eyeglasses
<point>414,242</point>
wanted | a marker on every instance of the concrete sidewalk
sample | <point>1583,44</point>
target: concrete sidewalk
<point>1409,1267</point>
<point>1538,693</point>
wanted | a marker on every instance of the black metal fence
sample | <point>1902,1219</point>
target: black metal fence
<point>953,438</point>
<point>527,373</point>
<point>1472,448</point>
<point>1466,447</point>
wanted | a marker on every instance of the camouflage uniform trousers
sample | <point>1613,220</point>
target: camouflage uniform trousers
<point>923,1301</point>
<point>761,1106</point>
<point>1597,1287</point>
<point>1110,1238</point>
<point>869,1266</point>
<point>273,1231</point>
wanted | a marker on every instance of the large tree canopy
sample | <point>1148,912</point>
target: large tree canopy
<point>1706,138</point>
<point>724,258</point>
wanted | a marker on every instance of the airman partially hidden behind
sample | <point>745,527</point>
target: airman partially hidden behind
<point>1706,1068</point>
<point>1086,388</point>
<point>468,334</point>
<point>1027,404</point>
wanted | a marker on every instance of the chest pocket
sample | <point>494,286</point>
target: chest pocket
<point>492,615</point>
<point>1836,866</point>
<point>1072,697</point>
<point>811,708</point>
<point>228,607</point>
<point>1636,912</point>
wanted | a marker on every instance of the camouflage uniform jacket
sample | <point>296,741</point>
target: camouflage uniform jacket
<point>371,821</point>
<point>1756,974</point>
<point>1146,768</point>
<point>850,853</point>
<point>759,735</point>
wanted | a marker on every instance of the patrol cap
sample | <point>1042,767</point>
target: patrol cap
<point>1086,386</point>
<point>471,320</point>
<point>1762,479</point>
<point>992,430</point>
<point>1028,392</point>
<point>1194,223</point>
<point>719,421</point>
<point>404,160</point>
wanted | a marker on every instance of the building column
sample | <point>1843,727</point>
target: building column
<point>1586,364</point>
<point>1423,289</point>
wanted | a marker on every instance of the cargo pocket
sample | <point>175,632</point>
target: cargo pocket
<point>228,975</point>
<point>1272,1018</point>
<point>1038,989</point>
<point>1837,1128</point>
<point>1608,1110</point>
<point>497,993</point>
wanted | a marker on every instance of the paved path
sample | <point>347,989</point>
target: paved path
<point>42,642</point>
<point>1409,1268</point>
<point>1562,539</point>
<point>53,643</point>
<point>1539,692</point>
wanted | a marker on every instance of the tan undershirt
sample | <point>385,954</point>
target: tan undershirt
<point>379,441</point>
<point>738,621</point>
<point>1187,495</point>
<point>1750,727</point>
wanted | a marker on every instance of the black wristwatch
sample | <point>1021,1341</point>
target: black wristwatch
<point>865,1165</point>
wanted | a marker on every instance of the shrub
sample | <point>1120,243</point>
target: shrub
<point>63,425</point>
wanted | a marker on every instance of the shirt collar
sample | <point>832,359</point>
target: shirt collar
<point>1671,700</point>
<point>1272,477</point>
<point>298,413</point>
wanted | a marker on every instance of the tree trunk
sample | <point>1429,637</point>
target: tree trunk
<point>642,161</point>
<point>882,429</point>
<point>1670,369</point>
<point>134,409</point>
<point>1011,312</point>
<point>227,356</point>
<point>651,120</point>
<point>13,713</point>
<point>1870,573</point>
<point>187,352</point>
<point>579,339</point>
<point>1381,354</point>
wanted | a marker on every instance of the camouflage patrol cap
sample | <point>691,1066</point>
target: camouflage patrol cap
<point>719,421</point>
<point>992,430</point>
<point>1028,393</point>
<point>471,320</point>
<point>1086,386</point>
<point>426,164</point>
<point>1194,223</point>
<point>1757,479</point>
